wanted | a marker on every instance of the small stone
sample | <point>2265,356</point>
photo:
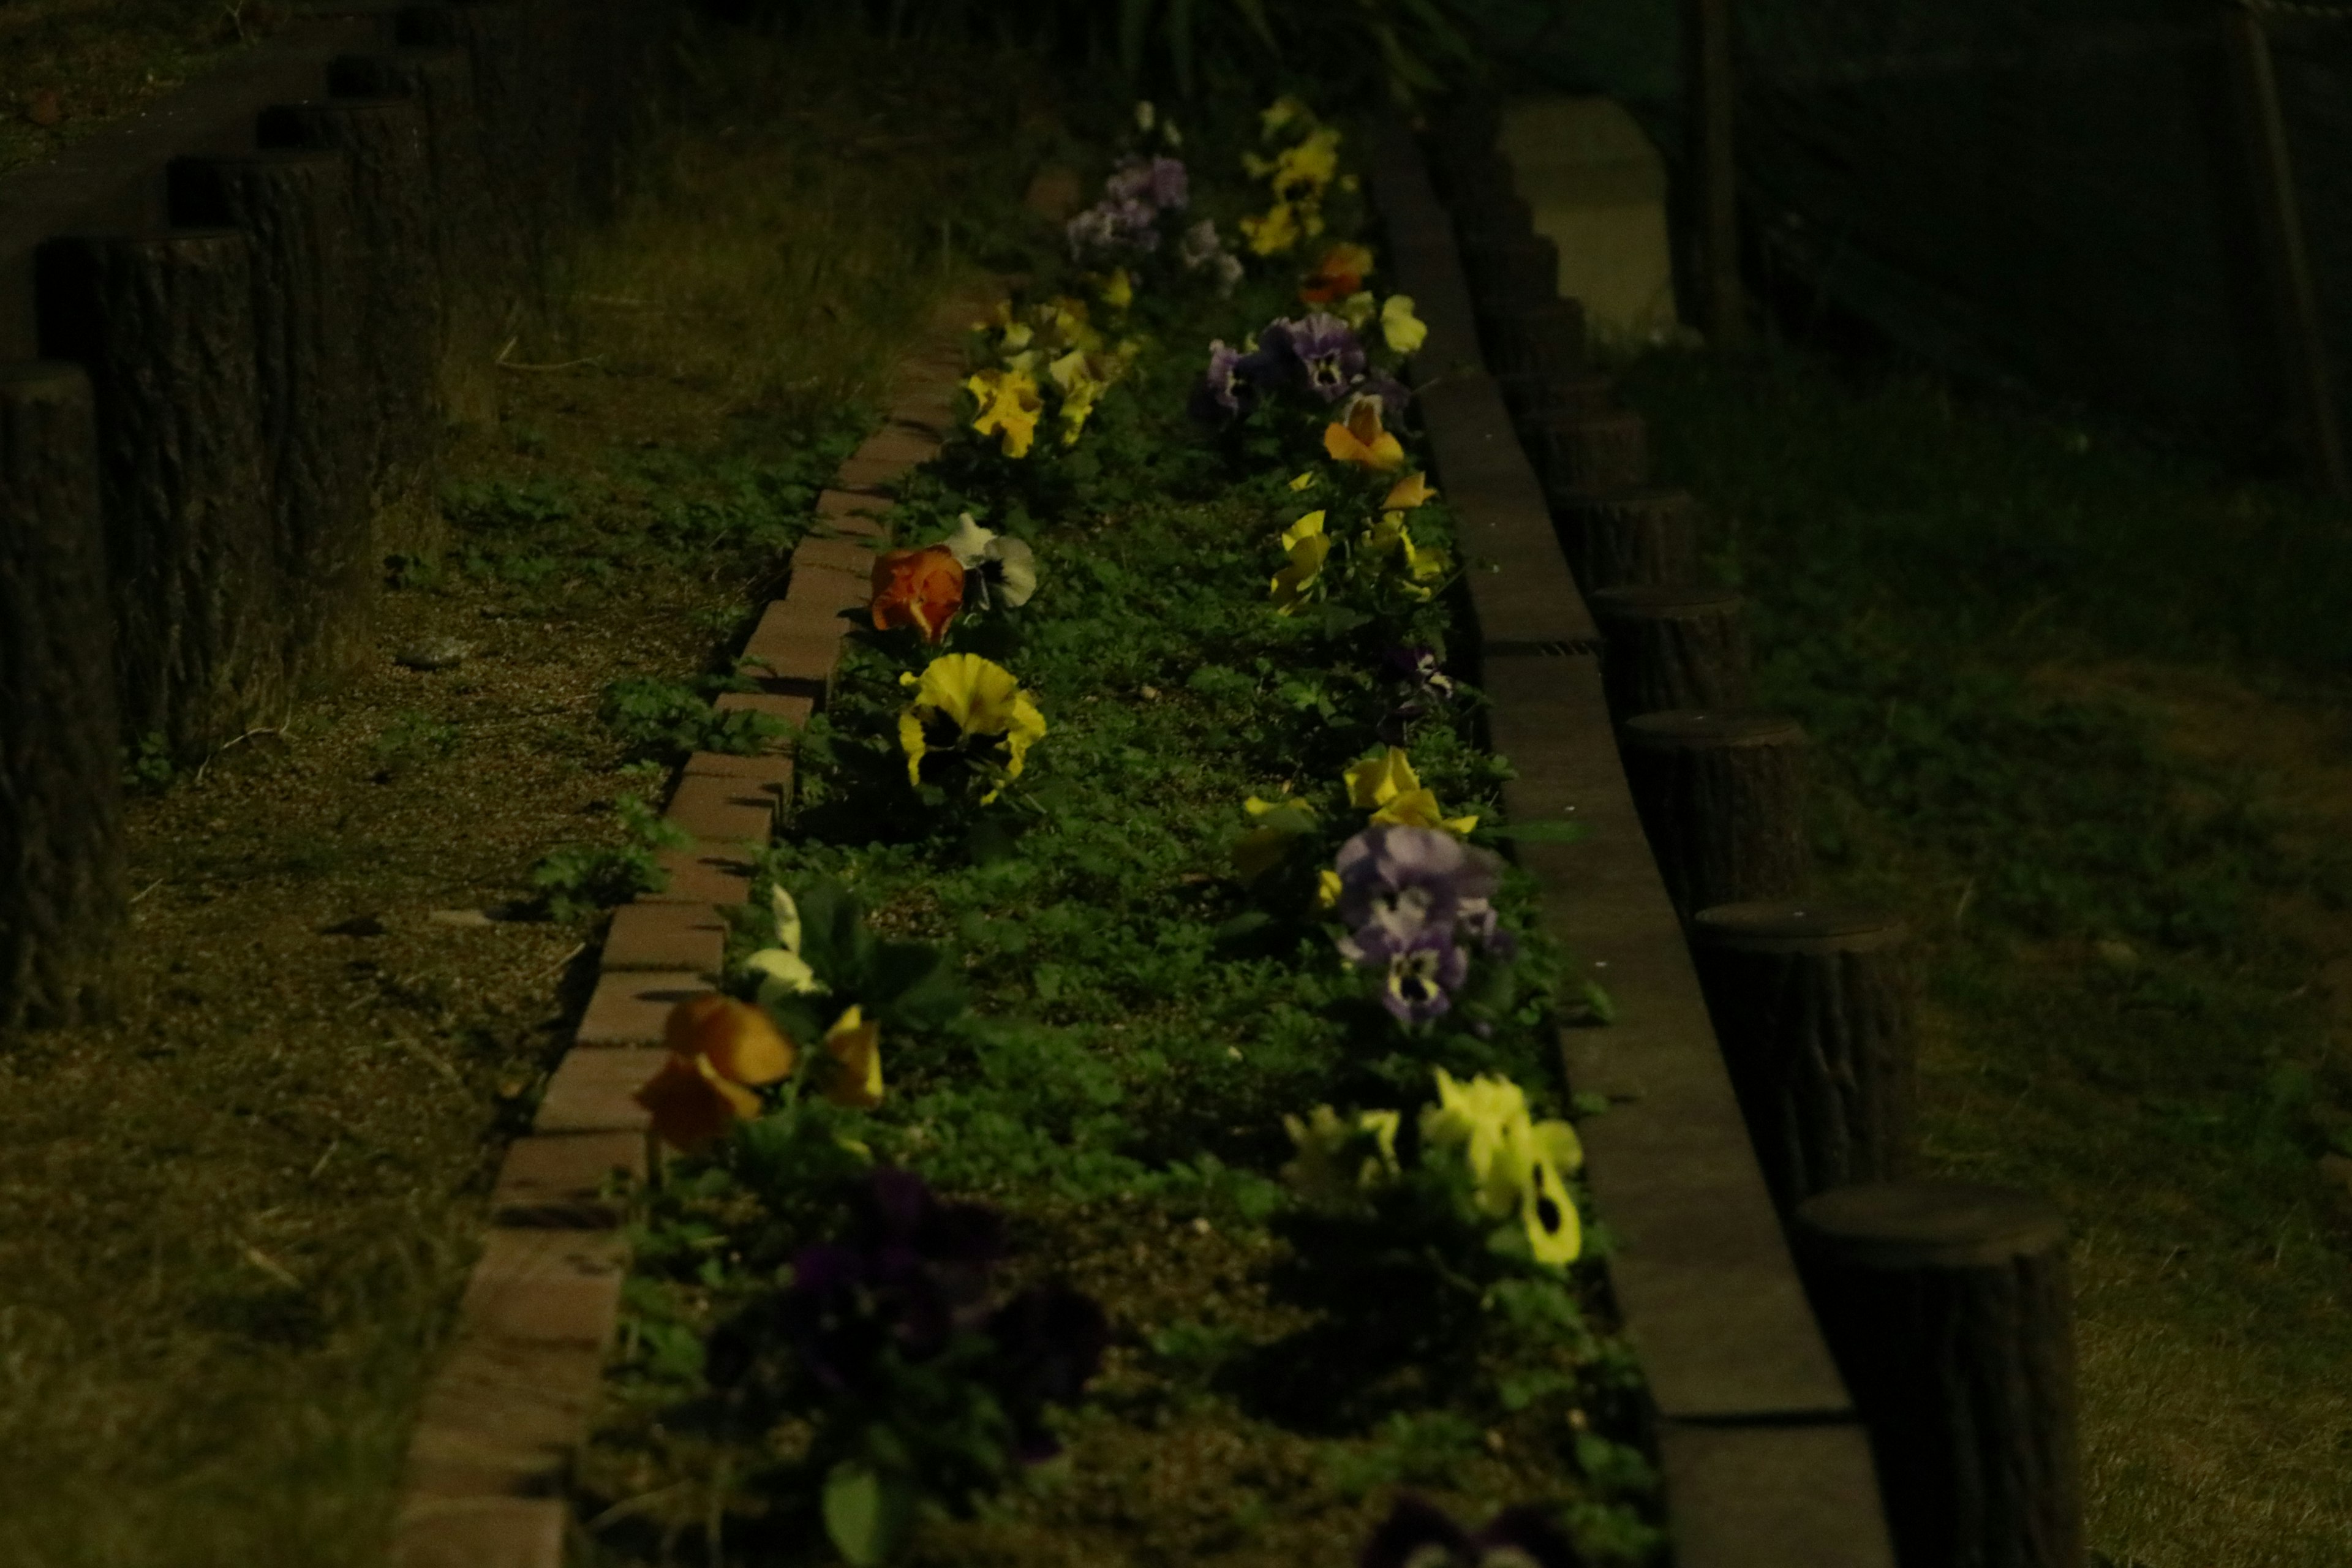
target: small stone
<point>1201,1226</point>
<point>434,653</point>
<point>1151,694</point>
<point>461,918</point>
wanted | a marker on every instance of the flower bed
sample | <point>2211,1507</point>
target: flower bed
<point>1134,1133</point>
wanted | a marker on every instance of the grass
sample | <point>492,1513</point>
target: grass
<point>233,1221</point>
<point>69,68</point>
<point>2079,707</point>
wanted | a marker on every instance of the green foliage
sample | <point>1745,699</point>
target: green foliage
<point>668,719</point>
<point>413,737</point>
<point>150,768</point>
<point>576,879</point>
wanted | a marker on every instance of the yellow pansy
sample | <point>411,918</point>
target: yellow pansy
<point>1307,544</point>
<point>855,1046</point>
<point>1356,309</point>
<point>1281,824</point>
<point>1409,492</point>
<point>1009,408</point>
<point>1308,166</point>
<point>1304,481</point>
<point>1117,290</point>
<point>1275,232</point>
<point>1483,1118</point>
<point>1387,786</point>
<point>1339,1158</point>
<point>1359,439</point>
<point>1326,889</point>
<point>962,699</point>
<point>1080,388</point>
<point>1402,331</point>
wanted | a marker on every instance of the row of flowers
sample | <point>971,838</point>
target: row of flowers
<point>934,1381</point>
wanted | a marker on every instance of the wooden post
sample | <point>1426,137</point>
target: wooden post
<point>1534,397</point>
<point>1811,1007</point>
<point>1710,90</point>
<point>164,323</point>
<point>1534,337</point>
<point>1645,535</point>
<point>2294,297</point>
<point>400,308</point>
<point>1947,1308</point>
<point>1674,644</point>
<point>61,857</point>
<point>315,414</point>
<point>1596,454</point>
<point>1506,272</point>
<point>1721,797</point>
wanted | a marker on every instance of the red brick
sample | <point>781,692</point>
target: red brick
<point>591,1089</point>
<point>785,709</point>
<point>502,1417</point>
<point>897,444</point>
<point>794,653</point>
<point>927,413</point>
<point>835,556</point>
<point>545,1287</point>
<point>832,505</point>
<point>702,873</point>
<point>480,1533</point>
<point>820,593</point>
<point>770,770</point>
<point>628,1007</point>
<point>722,810</point>
<point>555,1182</point>
<point>668,936</point>
<point>870,476</point>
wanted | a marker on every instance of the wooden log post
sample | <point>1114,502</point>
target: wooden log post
<point>400,309</point>
<point>1535,396</point>
<point>1509,271</point>
<point>62,888</point>
<point>1721,798</point>
<point>1812,1008</point>
<point>1534,337</point>
<point>478,261</point>
<point>1648,535</point>
<point>316,416</point>
<point>513,92</point>
<point>164,325</point>
<point>1593,454</point>
<point>1666,645</point>
<point>1947,1308</point>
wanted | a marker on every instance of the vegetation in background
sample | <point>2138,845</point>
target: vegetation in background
<point>2079,713</point>
<point>68,66</point>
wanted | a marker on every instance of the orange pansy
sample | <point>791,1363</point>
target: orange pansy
<point>920,588</point>
<point>1360,440</point>
<point>720,1050</point>
<point>1340,274</point>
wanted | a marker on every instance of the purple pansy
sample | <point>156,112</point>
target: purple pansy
<point>911,1270</point>
<point>1320,353</point>
<point>1225,390</point>
<point>1170,185</point>
<point>1409,896</point>
<point>1419,1534</point>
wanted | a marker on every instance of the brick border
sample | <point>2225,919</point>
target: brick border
<point>1766,1463</point>
<point>513,1399</point>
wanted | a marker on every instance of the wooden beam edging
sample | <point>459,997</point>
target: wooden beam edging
<point>1766,1464</point>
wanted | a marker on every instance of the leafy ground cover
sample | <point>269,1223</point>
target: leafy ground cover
<point>2079,708</point>
<point>1055,1187</point>
<point>233,1220</point>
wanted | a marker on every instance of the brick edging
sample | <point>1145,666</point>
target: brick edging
<point>512,1401</point>
<point>1766,1464</point>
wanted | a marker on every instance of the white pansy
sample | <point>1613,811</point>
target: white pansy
<point>1005,566</point>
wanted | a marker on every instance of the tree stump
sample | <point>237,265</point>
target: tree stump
<point>1666,645</point>
<point>477,265</point>
<point>62,859</point>
<point>400,309</point>
<point>315,414</point>
<point>1542,337</point>
<point>1592,454</point>
<point>1947,1308</point>
<point>1625,538</point>
<point>517,99</point>
<point>164,325</point>
<point>1536,396</point>
<point>1721,797</point>
<point>1520,270</point>
<point>1812,1009</point>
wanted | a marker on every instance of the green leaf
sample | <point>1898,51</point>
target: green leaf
<point>910,984</point>
<point>833,939</point>
<point>1595,998</point>
<point>1134,18</point>
<point>866,1512</point>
